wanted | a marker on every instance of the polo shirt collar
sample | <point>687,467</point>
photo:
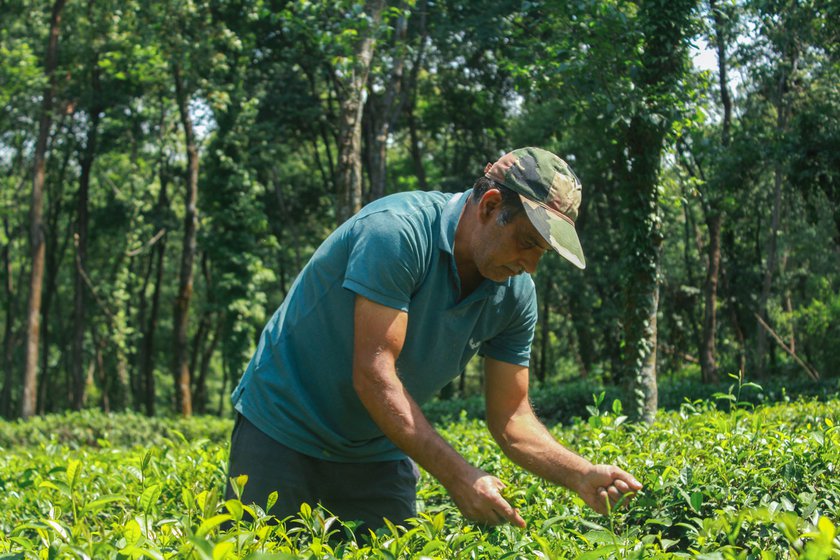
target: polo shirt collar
<point>449,221</point>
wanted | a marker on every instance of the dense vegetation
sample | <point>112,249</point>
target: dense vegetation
<point>734,482</point>
<point>166,168</point>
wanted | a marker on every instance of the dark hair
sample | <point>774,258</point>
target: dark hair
<point>511,203</point>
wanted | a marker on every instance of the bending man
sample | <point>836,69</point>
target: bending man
<point>390,308</point>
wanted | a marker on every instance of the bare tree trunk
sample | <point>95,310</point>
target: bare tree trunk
<point>714,218</point>
<point>411,97</point>
<point>99,344</point>
<point>181,369</point>
<point>349,195</point>
<point>201,397</point>
<point>52,263</point>
<point>147,360</point>
<point>33,324</point>
<point>775,224</point>
<point>81,241</point>
<point>708,354</point>
<point>147,369</point>
<point>382,120</point>
<point>646,381</point>
<point>8,330</point>
<point>416,152</point>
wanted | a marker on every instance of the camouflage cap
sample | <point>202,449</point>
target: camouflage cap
<point>550,192</point>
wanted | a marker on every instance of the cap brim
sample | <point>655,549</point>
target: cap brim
<point>559,233</point>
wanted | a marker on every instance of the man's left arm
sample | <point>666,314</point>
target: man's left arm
<point>528,443</point>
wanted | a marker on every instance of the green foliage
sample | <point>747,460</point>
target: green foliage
<point>738,484</point>
<point>567,401</point>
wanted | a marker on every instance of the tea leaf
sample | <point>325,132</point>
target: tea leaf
<point>149,497</point>
<point>209,524</point>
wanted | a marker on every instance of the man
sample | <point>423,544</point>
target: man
<point>390,308</point>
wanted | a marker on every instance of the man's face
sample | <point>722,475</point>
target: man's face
<point>507,250</point>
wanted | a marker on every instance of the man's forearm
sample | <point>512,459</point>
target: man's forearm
<point>528,443</point>
<point>401,420</point>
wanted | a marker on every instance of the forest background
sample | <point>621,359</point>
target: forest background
<point>166,169</point>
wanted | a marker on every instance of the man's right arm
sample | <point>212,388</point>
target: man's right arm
<point>379,335</point>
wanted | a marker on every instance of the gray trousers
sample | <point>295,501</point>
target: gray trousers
<point>366,492</point>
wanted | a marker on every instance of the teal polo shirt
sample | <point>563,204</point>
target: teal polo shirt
<point>398,252</point>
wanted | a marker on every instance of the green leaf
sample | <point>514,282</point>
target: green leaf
<point>600,552</point>
<point>62,532</point>
<point>74,470</point>
<point>149,497</point>
<point>696,500</point>
<point>235,509</point>
<point>98,504</point>
<point>187,498</point>
<point>132,532</point>
<point>272,499</point>
<point>211,523</point>
<point>222,549</point>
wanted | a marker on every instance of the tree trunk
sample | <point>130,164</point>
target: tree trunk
<point>147,358</point>
<point>382,119</point>
<point>81,241</point>
<point>136,380</point>
<point>714,217</point>
<point>181,370</point>
<point>201,397</point>
<point>775,224</point>
<point>642,282</point>
<point>664,26</point>
<point>99,346</point>
<point>708,359</point>
<point>53,255</point>
<point>8,329</point>
<point>30,373</point>
<point>349,195</point>
<point>416,152</point>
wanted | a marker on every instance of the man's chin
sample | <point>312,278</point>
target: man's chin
<point>501,275</point>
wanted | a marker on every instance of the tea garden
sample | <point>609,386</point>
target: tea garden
<point>723,479</point>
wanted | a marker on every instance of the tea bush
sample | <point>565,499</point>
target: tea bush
<point>739,483</point>
<point>566,401</point>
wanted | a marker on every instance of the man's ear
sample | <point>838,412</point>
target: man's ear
<point>490,202</point>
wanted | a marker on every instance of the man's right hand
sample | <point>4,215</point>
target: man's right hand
<point>479,497</point>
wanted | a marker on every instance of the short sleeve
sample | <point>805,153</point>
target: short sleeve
<point>513,343</point>
<point>386,259</point>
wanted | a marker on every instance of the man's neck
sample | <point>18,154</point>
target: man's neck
<point>468,273</point>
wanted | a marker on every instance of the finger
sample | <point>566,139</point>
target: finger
<point>613,493</point>
<point>628,479</point>
<point>601,504</point>
<point>507,512</point>
<point>621,486</point>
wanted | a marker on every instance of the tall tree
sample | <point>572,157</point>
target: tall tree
<point>784,26</point>
<point>712,209</point>
<point>351,79</point>
<point>94,108</point>
<point>664,26</point>
<point>382,109</point>
<point>30,379</point>
<point>181,371</point>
